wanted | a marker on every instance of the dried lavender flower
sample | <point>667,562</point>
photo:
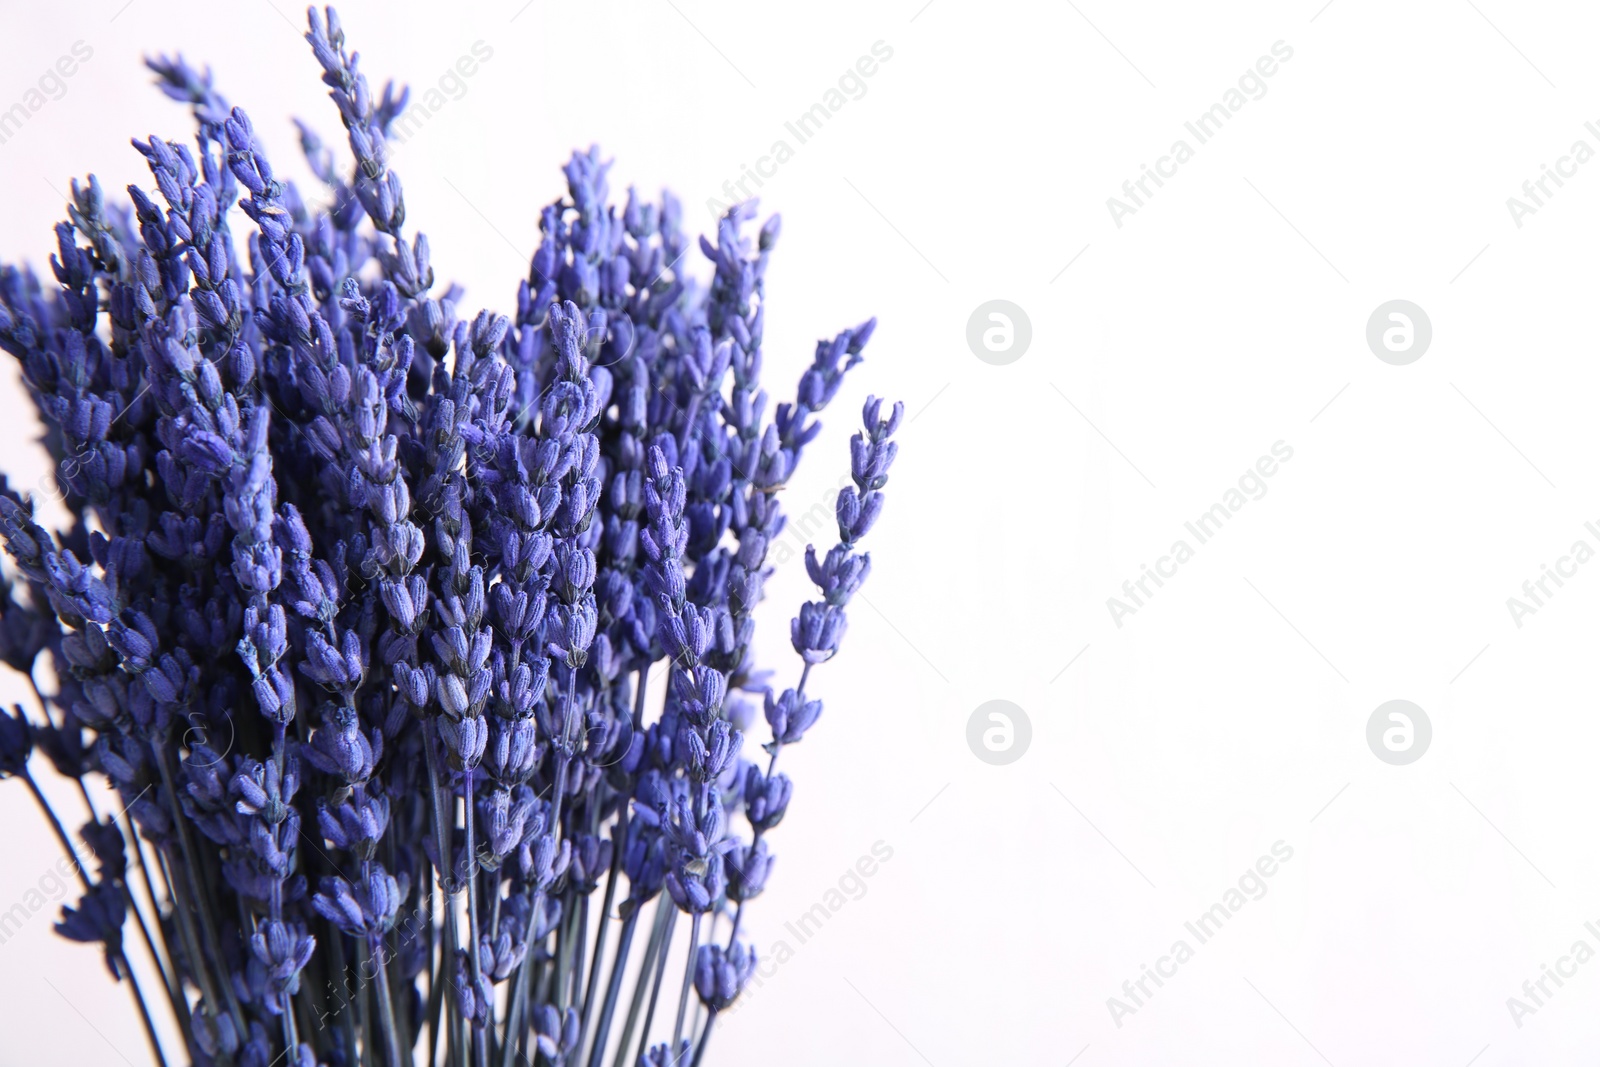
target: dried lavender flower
<point>359,602</point>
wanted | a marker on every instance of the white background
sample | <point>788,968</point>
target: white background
<point>1228,314</point>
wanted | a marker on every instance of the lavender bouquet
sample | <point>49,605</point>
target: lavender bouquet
<point>359,605</point>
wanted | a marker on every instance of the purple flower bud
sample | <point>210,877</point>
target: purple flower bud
<point>662,1055</point>
<point>765,799</point>
<point>511,751</point>
<point>710,754</point>
<point>817,631</point>
<point>476,998</point>
<point>97,918</point>
<point>367,907</point>
<point>557,1032</point>
<point>749,866</point>
<point>464,740</point>
<point>338,746</point>
<point>720,975</point>
<point>283,949</point>
<point>16,742</point>
<point>790,716</point>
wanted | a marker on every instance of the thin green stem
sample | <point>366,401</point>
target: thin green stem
<point>658,925</point>
<point>60,831</point>
<point>688,981</point>
<point>580,941</point>
<point>618,847</point>
<point>391,1035</point>
<point>179,1009</point>
<point>564,952</point>
<point>480,1031</point>
<point>115,953</point>
<point>347,1013</point>
<point>155,958</point>
<point>435,1004</point>
<point>171,971</point>
<point>443,804</point>
<point>519,991</point>
<point>705,1039</point>
<point>562,758</point>
<point>208,928</point>
<point>614,986</point>
<point>291,1033</point>
<point>365,989</point>
<point>144,1012</point>
<point>662,952</point>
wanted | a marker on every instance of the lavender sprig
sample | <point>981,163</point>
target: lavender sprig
<point>360,601</point>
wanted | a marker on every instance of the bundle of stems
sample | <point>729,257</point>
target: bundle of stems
<point>396,637</point>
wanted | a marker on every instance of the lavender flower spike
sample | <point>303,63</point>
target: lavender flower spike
<point>417,646</point>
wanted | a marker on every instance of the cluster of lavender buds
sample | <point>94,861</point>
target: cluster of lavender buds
<point>350,643</point>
